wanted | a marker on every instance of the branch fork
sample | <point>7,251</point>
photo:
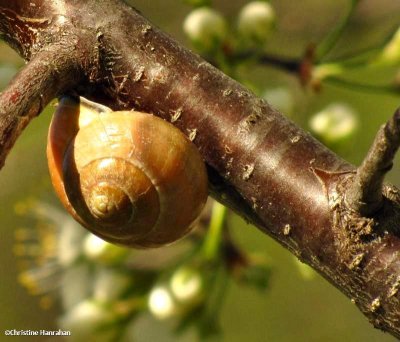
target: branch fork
<point>365,194</point>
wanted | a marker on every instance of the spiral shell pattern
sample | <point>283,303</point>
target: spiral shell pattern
<point>129,177</point>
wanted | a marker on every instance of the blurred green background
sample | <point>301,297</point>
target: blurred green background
<point>295,308</point>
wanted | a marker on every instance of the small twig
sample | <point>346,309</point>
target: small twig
<point>46,76</point>
<point>290,65</point>
<point>365,194</point>
<point>214,235</point>
<point>287,64</point>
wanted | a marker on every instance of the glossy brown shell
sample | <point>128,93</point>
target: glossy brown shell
<point>129,177</point>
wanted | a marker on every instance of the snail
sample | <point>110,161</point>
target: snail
<point>130,178</point>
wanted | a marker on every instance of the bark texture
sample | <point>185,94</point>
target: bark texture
<point>260,164</point>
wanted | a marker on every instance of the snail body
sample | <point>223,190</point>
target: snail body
<point>129,177</point>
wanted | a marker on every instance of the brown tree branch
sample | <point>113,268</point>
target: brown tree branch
<point>260,164</point>
<point>365,194</point>
<point>32,88</point>
<point>59,60</point>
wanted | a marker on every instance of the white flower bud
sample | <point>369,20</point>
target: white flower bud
<point>162,304</point>
<point>98,250</point>
<point>256,22</point>
<point>334,123</point>
<point>206,28</point>
<point>187,285</point>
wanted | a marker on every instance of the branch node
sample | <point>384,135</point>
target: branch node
<point>365,194</point>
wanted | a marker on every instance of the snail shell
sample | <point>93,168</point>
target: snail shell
<point>129,177</point>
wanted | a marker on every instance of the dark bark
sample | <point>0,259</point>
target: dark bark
<point>365,194</point>
<point>260,164</point>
